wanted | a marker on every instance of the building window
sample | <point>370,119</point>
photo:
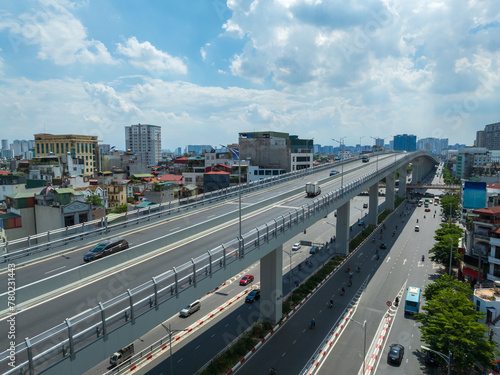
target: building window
<point>52,147</point>
<point>77,148</point>
<point>67,148</point>
<point>57,148</point>
<point>38,148</point>
<point>86,148</point>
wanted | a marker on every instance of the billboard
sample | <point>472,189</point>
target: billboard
<point>474,195</point>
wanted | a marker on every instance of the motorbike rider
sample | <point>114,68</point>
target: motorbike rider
<point>331,302</point>
<point>343,291</point>
<point>313,323</point>
<point>397,301</point>
<point>423,258</point>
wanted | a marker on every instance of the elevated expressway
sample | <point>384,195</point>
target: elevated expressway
<point>115,300</point>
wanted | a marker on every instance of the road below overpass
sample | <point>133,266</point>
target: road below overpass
<point>192,353</point>
<point>37,318</point>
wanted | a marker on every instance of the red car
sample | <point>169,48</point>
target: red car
<point>427,209</point>
<point>246,280</point>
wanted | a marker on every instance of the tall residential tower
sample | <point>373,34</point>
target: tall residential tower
<point>145,142</point>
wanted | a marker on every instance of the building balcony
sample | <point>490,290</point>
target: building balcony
<point>494,260</point>
<point>486,221</point>
<point>494,241</point>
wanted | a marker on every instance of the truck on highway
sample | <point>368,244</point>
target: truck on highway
<point>312,189</point>
<point>365,156</point>
<point>122,355</point>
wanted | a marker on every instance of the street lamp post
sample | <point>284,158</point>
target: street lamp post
<point>444,356</point>
<point>239,194</point>
<point>362,325</point>
<point>360,212</point>
<point>375,139</point>
<point>451,253</point>
<point>170,332</point>
<point>360,146</point>
<point>289,253</point>
<point>341,143</point>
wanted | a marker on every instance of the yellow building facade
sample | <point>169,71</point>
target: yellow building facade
<point>79,146</point>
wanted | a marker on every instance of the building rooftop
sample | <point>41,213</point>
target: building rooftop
<point>487,294</point>
<point>490,211</point>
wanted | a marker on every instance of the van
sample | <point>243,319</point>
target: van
<point>191,308</point>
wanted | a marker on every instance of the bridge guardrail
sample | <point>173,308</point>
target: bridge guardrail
<point>11,251</point>
<point>63,341</point>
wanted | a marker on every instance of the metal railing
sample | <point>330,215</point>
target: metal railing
<point>38,243</point>
<point>76,333</point>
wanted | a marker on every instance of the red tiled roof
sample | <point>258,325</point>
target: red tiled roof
<point>170,177</point>
<point>217,172</point>
<point>493,185</point>
<point>181,160</point>
<point>488,211</point>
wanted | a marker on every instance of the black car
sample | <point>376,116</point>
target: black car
<point>105,248</point>
<point>396,352</point>
<point>253,296</point>
<point>383,245</point>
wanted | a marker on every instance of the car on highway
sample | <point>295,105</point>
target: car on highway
<point>313,250</point>
<point>383,245</point>
<point>334,172</point>
<point>361,222</point>
<point>296,246</point>
<point>191,308</point>
<point>417,228</point>
<point>396,353</point>
<point>427,209</point>
<point>105,248</point>
<point>247,279</point>
<point>365,205</point>
<point>253,296</point>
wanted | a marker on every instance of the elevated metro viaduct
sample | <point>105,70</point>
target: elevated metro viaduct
<point>270,255</point>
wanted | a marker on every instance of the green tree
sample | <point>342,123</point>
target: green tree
<point>95,199</point>
<point>441,249</point>
<point>119,209</point>
<point>444,282</point>
<point>449,325</point>
<point>450,202</point>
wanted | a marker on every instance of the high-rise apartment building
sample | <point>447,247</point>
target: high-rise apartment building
<point>489,137</point>
<point>145,142</point>
<point>434,145</point>
<point>79,146</point>
<point>405,142</point>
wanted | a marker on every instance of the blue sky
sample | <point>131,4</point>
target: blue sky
<point>207,70</point>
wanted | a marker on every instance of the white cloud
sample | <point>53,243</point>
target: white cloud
<point>146,56</point>
<point>60,36</point>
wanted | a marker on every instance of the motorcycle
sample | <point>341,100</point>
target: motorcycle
<point>423,258</point>
<point>350,282</point>
<point>342,292</point>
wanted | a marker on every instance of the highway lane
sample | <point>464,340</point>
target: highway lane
<point>73,257</point>
<point>54,311</point>
<point>388,278</point>
<point>202,346</point>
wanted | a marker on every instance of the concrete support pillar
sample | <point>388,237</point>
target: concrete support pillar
<point>343,228</point>
<point>389,191</point>
<point>271,285</point>
<point>402,181</point>
<point>373,204</point>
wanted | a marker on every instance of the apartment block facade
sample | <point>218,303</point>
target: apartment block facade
<point>78,146</point>
<point>145,142</point>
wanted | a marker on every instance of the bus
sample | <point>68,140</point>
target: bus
<point>412,302</point>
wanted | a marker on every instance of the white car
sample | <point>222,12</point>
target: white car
<point>296,246</point>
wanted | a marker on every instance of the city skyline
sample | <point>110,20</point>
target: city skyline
<point>206,71</point>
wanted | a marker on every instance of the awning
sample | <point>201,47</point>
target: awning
<point>491,308</point>
<point>470,272</point>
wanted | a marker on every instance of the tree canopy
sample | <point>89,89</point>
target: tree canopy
<point>450,201</point>
<point>441,249</point>
<point>450,325</point>
<point>95,199</point>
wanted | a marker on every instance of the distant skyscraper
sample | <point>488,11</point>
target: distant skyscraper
<point>5,144</point>
<point>434,145</point>
<point>198,149</point>
<point>489,137</point>
<point>178,151</point>
<point>145,142</point>
<point>405,142</point>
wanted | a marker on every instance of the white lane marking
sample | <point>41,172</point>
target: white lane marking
<point>208,217</point>
<point>56,269</point>
<point>197,347</point>
<point>180,360</point>
<point>170,230</point>
<point>404,261</point>
<point>212,335</point>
